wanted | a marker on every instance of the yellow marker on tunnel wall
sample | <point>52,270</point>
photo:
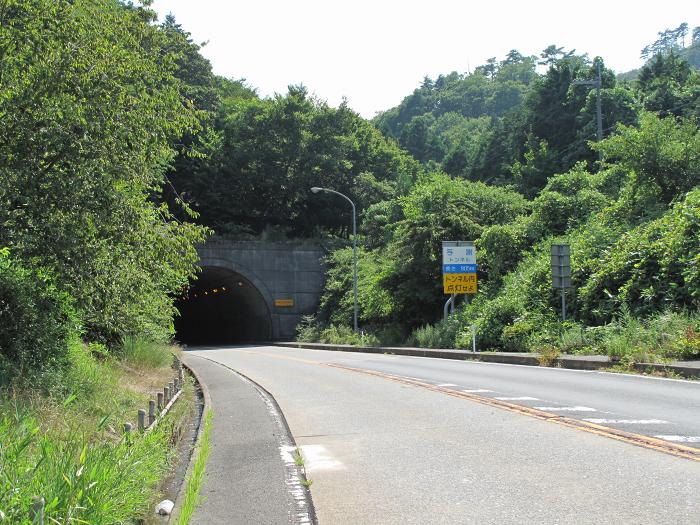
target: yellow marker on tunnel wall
<point>284,303</point>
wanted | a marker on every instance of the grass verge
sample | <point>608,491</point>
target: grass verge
<point>62,440</point>
<point>194,481</point>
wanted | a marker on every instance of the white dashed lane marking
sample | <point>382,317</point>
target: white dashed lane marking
<point>680,439</point>
<point>627,421</point>
<point>477,391</point>
<point>447,384</point>
<point>523,398</point>
<point>566,409</point>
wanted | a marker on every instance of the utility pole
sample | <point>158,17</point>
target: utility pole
<point>599,112</point>
<point>598,84</point>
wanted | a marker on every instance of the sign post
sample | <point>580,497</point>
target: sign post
<point>561,272</point>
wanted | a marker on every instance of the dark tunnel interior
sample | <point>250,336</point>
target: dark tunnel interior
<point>222,307</point>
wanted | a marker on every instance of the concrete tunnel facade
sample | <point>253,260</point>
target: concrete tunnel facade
<point>250,291</point>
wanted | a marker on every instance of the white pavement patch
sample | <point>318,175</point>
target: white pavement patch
<point>522,398</point>
<point>567,409</point>
<point>317,457</point>
<point>477,391</point>
<point>627,421</point>
<point>680,439</point>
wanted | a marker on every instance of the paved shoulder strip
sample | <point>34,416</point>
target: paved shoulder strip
<point>250,477</point>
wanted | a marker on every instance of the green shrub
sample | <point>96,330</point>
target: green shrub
<point>344,335</point>
<point>668,335</point>
<point>392,334</point>
<point>516,337</point>
<point>308,330</point>
<point>501,246</point>
<point>576,339</point>
<point>36,320</point>
<point>439,335</point>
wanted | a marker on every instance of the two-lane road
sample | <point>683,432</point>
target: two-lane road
<point>396,439</point>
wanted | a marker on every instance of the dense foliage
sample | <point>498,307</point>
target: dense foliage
<point>632,223</point>
<point>89,110</point>
<point>264,155</point>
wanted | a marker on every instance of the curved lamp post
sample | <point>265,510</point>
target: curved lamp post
<point>316,189</point>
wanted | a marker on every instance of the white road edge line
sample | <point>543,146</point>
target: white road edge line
<point>627,421</point>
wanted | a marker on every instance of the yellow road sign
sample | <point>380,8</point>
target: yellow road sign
<point>459,283</point>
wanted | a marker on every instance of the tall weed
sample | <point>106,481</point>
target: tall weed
<point>81,480</point>
<point>140,352</point>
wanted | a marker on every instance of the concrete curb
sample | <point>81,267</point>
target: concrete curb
<point>595,362</point>
<point>175,514</point>
<point>691,372</point>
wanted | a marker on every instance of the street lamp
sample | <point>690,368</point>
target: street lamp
<point>316,189</point>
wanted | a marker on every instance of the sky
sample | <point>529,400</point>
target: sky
<point>375,52</point>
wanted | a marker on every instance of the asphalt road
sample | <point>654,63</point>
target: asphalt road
<point>379,450</point>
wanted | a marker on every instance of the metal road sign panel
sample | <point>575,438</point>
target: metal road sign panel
<point>458,267</point>
<point>459,283</point>
<point>561,266</point>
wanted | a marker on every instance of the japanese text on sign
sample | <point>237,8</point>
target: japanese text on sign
<point>459,283</point>
<point>458,267</point>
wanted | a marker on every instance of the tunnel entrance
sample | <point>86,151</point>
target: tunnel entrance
<point>222,307</point>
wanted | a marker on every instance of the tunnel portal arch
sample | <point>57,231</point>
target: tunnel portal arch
<point>223,306</point>
<point>283,281</point>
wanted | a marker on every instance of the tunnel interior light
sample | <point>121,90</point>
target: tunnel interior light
<point>218,290</point>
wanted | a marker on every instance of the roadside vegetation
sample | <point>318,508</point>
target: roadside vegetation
<point>62,439</point>
<point>194,481</point>
<point>93,107</point>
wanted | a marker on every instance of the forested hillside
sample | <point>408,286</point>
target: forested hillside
<point>115,158</point>
<point>505,156</point>
<point>510,161</point>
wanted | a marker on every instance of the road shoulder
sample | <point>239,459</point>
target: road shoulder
<point>247,480</point>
